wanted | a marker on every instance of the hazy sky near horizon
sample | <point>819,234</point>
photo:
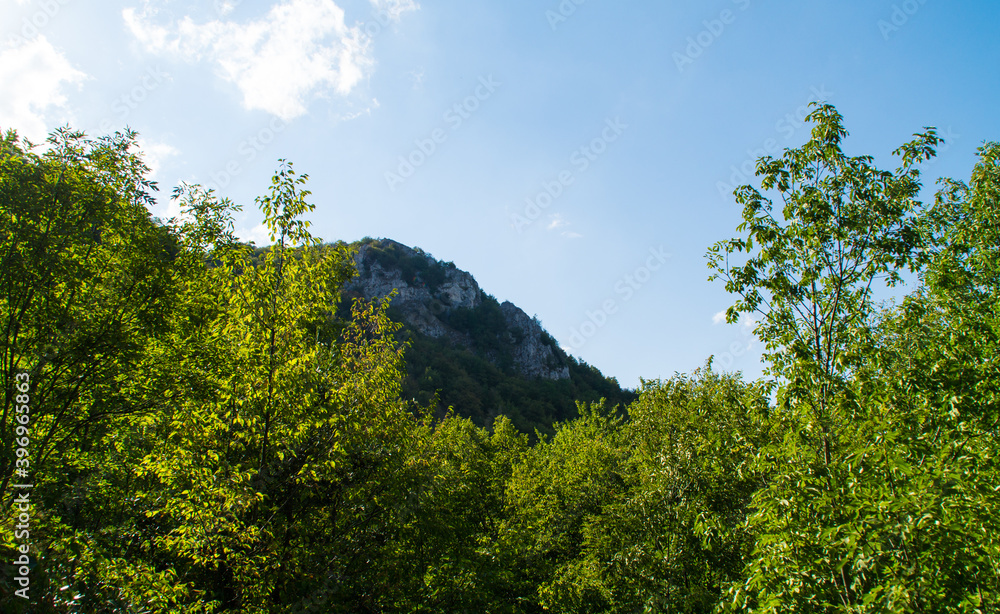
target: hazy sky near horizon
<point>576,156</point>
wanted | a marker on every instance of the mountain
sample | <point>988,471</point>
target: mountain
<point>481,357</point>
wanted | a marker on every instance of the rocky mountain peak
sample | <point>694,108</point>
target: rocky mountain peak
<point>443,302</point>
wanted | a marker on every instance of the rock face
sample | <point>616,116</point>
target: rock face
<point>431,294</point>
<point>532,355</point>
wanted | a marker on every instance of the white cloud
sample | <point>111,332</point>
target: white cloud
<point>225,7</point>
<point>302,49</point>
<point>394,8</point>
<point>33,75</point>
<point>556,221</point>
<point>748,323</point>
<point>349,115</point>
<point>259,234</point>
<point>155,153</point>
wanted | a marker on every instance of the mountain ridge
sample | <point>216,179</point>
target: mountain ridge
<point>469,351</point>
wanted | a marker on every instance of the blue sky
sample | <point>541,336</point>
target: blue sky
<point>577,157</point>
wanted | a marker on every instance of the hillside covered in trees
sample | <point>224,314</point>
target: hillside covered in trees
<point>193,424</point>
<point>469,353</point>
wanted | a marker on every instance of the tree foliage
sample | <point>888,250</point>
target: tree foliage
<point>215,427</point>
<point>876,482</point>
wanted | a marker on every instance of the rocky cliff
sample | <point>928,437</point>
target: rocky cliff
<point>443,302</point>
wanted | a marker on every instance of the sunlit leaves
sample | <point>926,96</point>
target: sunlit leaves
<point>843,225</point>
<point>875,499</point>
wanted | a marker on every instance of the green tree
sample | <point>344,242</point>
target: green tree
<point>445,554</point>
<point>553,497</point>
<point>673,534</point>
<point>935,368</point>
<point>243,433</point>
<point>287,402</point>
<point>873,486</point>
<point>87,286</point>
<point>843,225</point>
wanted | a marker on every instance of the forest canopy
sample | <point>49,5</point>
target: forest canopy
<point>198,428</point>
